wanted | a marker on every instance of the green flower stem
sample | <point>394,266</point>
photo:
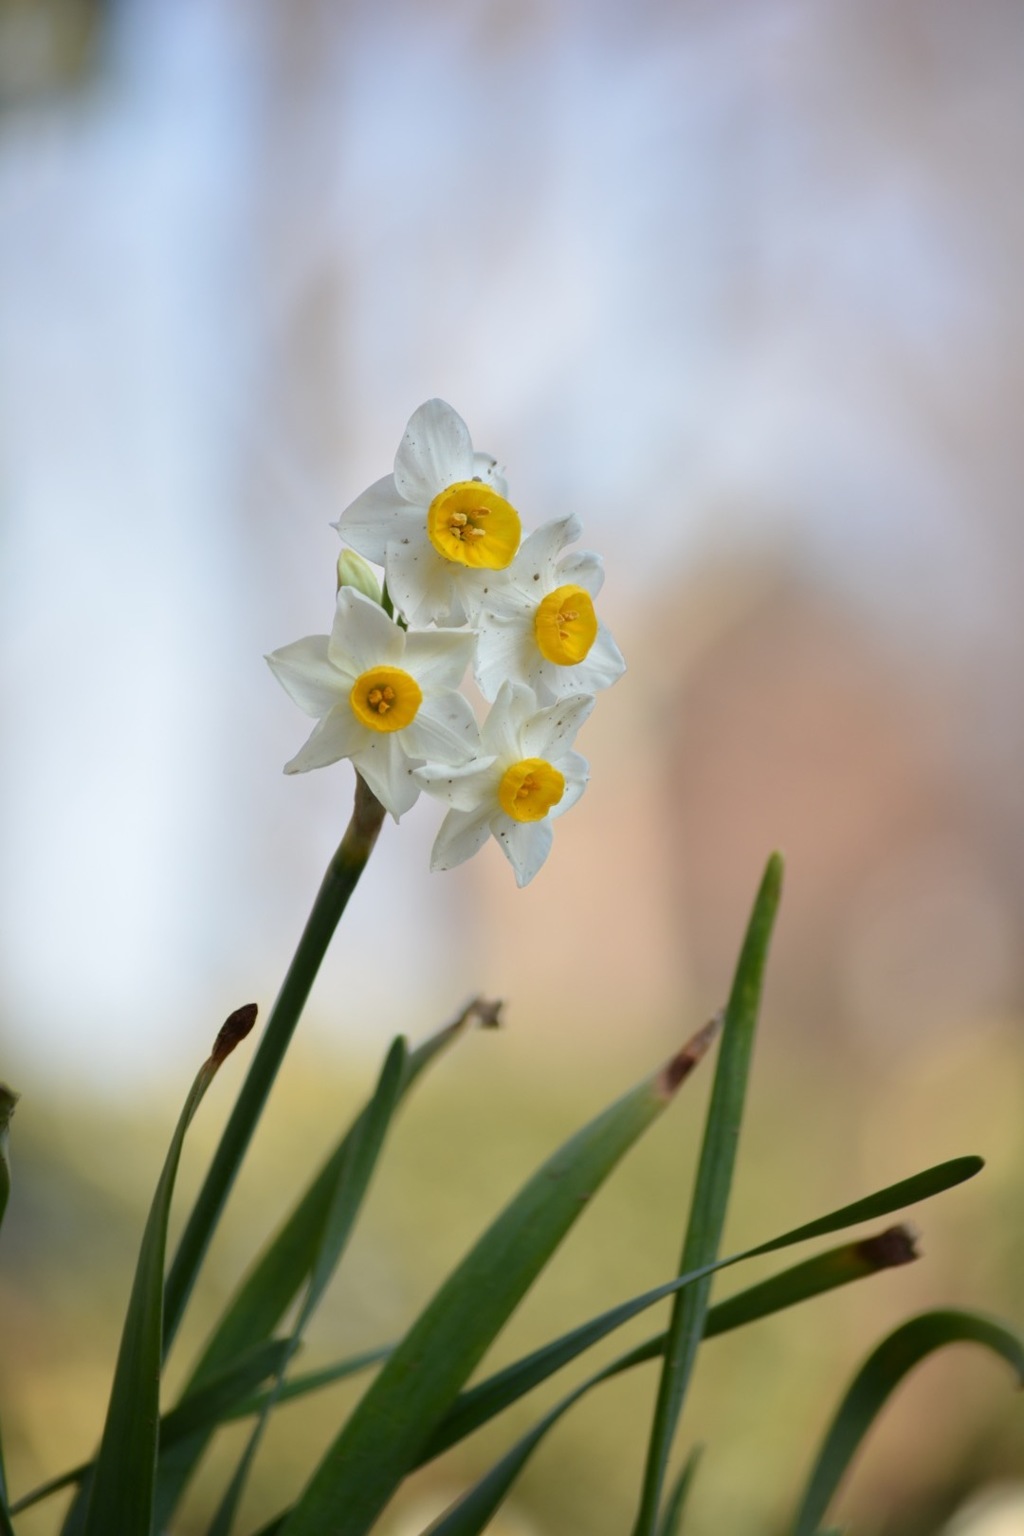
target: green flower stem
<point>339,882</point>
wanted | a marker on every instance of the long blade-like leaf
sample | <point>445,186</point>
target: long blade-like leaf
<point>839,1266</point>
<point>346,1200</point>
<point>421,1378</point>
<point>223,1397</point>
<point>313,1381</point>
<point>8,1099</point>
<point>6,1529</point>
<point>880,1374</point>
<point>711,1191</point>
<point>481,1403</point>
<point>473,1510</point>
<point>470,1513</point>
<point>337,886</point>
<point>121,1494</point>
<point>286,1264</point>
<point>675,1504</point>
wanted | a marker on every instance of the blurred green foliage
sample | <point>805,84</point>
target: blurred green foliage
<point>820,1130</point>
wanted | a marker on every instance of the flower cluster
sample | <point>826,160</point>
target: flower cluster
<point>461,589</point>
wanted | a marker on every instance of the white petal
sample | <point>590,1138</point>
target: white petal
<point>602,666</point>
<point>533,569</point>
<point>503,729</point>
<point>438,658</point>
<point>460,836</point>
<point>526,844</point>
<point>604,663</point>
<point>583,569</point>
<point>577,773</point>
<point>552,731</point>
<point>338,735</point>
<point>420,583</point>
<point>435,451</point>
<point>363,636</point>
<point>388,771</point>
<point>379,514</point>
<point>477,588</point>
<point>491,472</point>
<point>505,649</point>
<point>444,730</point>
<point>469,788</point>
<point>304,670</point>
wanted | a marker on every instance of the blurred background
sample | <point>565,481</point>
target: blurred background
<point>739,284</point>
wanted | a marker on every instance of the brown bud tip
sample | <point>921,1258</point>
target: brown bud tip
<point>235,1028</point>
<point>682,1064</point>
<point>487,1014</point>
<point>897,1245</point>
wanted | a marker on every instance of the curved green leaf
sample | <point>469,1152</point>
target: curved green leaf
<point>880,1374</point>
<point>337,886</point>
<point>346,1201</point>
<point>675,1504</point>
<point>852,1261</point>
<point>312,1381</point>
<point>226,1396</point>
<point>384,1436</point>
<point>6,1529</point>
<point>8,1099</point>
<point>287,1262</point>
<point>121,1493</point>
<point>711,1190</point>
<point>470,1513</point>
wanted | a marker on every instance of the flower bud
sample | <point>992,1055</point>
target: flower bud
<point>354,571</point>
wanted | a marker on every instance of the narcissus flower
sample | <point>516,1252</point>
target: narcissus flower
<point>440,525</point>
<point>526,776</point>
<point>541,628</point>
<point>383,697</point>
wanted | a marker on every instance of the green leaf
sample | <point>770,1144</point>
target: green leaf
<point>881,1373</point>
<point>312,1381</point>
<point>353,1180</point>
<point>223,1397</point>
<point>385,1434</point>
<point>894,1197</point>
<point>675,1505</point>
<point>473,1509</point>
<point>121,1493</point>
<point>481,1403</point>
<point>339,882</point>
<point>852,1261</point>
<point>8,1099</point>
<point>711,1192</point>
<point>278,1275</point>
<point>6,1529</point>
<point>471,1512</point>
<point>771,1296</point>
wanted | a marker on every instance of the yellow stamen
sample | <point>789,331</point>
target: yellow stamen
<point>385,698</point>
<point>529,789</point>
<point>565,626</point>
<point>453,526</point>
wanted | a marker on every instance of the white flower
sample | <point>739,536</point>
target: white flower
<point>383,697</point>
<point>541,628</point>
<point>526,777</point>
<point>440,525</point>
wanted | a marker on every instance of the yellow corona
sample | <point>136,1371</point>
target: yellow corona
<point>385,698</point>
<point>470,524</point>
<point>529,789</point>
<point>565,626</point>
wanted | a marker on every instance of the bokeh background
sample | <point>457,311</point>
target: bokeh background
<point>739,284</point>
